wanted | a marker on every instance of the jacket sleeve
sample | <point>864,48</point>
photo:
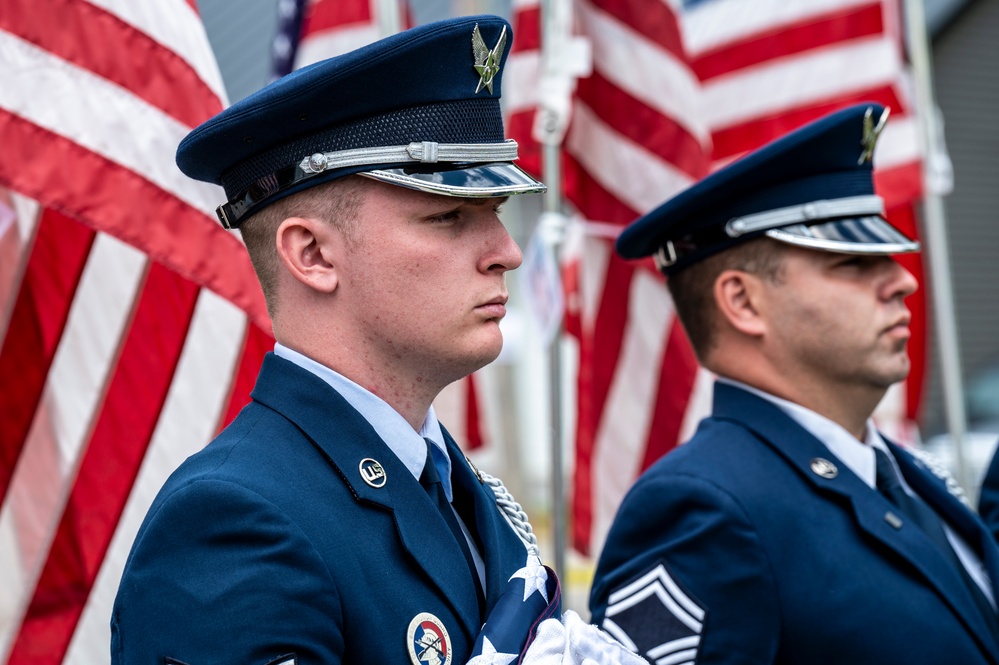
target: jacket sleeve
<point>683,575</point>
<point>218,574</point>
<point>988,501</point>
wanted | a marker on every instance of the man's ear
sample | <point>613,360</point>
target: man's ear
<point>305,247</point>
<point>739,296</point>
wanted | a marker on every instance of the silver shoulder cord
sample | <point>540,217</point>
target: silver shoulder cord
<point>513,512</point>
<point>934,465</point>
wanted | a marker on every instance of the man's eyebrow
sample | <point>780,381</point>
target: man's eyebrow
<point>477,201</point>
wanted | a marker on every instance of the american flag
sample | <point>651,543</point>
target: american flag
<point>532,595</point>
<point>676,92</point>
<point>131,324</point>
<point>333,27</point>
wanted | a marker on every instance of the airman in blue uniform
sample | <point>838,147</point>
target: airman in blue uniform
<point>335,520</point>
<point>788,530</point>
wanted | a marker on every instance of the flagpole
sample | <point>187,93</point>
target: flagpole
<point>564,58</point>
<point>389,17</point>
<point>935,247</point>
<point>552,176</point>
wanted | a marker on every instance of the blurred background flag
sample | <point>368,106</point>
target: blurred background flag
<point>132,325</point>
<point>333,27</point>
<point>676,92</point>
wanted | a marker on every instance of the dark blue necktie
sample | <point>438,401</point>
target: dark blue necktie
<point>431,482</point>
<point>927,520</point>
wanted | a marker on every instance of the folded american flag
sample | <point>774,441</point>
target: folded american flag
<point>532,595</point>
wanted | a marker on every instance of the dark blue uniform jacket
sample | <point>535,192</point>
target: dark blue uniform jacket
<point>743,546</point>
<point>268,543</point>
<point>988,500</point>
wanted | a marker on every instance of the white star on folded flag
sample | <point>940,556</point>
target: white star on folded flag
<point>513,622</point>
<point>490,656</point>
<point>535,577</point>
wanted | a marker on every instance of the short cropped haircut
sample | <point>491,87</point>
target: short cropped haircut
<point>693,287</point>
<point>334,202</point>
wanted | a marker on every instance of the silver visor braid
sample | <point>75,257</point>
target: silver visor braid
<point>424,152</point>
<point>852,206</point>
<point>233,211</point>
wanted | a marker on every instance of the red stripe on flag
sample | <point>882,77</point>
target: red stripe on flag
<point>600,351</point>
<point>903,217</point>
<point>591,198</point>
<point>900,185</point>
<point>790,40</point>
<point>587,416</point>
<point>331,14</point>
<point>527,30</point>
<point>111,198</point>
<point>644,125</point>
<point>473,425</point>
<point>653,19</point>
<point>57,259</point>
<point>95,39</point>
<point>109,467</point>
<point>519,127</point>
<point>256,344</point>
<point>753,133</point>
<point>676,383</point>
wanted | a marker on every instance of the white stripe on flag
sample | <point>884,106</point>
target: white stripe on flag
<point>699,406</point>
<point>193,408</point>
<point>36,87</point>
<point>176,25</point>
<point>708,25</point>
<point>638,178</point>
<point>596,258</point>
<point>328,43</point>
<point>774,87</point>
<point>525,68</point>
<point>621,438</point>
<point>73,390</point>
<point>643,69</point>
<point>901,143</point>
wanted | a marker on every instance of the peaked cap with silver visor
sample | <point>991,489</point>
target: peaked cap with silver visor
<point>812,188</point>
<point>419,109</point>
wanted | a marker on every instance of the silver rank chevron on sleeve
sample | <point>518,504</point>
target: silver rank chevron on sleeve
<point>654,616</point>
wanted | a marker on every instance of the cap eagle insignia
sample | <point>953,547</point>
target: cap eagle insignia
<point>487,62</point>
<point>871,133</point>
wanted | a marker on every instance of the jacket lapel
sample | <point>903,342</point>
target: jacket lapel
<point>954,511</point>
<point>351,445</point>
<point>502,550</point>
<point>871,511</point>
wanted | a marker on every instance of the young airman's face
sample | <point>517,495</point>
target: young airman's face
<point>425,279</point>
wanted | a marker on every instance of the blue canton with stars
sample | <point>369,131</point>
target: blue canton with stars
<point>532,595</point>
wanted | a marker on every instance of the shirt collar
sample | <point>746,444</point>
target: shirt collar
<point>858,456</point>
<point>407,444</point>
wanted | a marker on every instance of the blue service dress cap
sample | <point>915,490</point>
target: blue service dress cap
<point>812,188</point>
<point>419,109</point>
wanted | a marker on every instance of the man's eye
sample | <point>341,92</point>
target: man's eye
<point>450,216</point>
